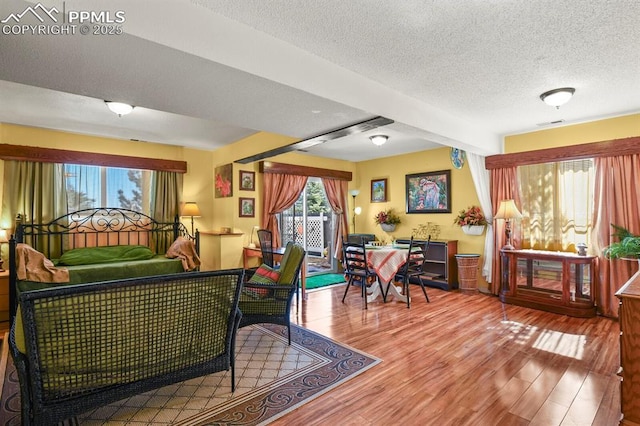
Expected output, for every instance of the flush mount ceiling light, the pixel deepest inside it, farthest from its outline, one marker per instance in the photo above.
(557, 97)
(119, 108)
(379, 139)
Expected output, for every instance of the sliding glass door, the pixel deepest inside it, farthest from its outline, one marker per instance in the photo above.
(309, 222)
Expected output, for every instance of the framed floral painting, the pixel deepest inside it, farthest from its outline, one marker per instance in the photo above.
(247, 207)
(429, 192)
(247, 180)
(224, 181)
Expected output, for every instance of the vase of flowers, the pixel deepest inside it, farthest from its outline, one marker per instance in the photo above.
(387, 219)
(471, 220)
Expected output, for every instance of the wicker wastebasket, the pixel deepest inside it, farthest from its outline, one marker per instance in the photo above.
(468, 271)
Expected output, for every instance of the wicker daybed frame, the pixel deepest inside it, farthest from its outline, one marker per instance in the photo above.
(91, 228)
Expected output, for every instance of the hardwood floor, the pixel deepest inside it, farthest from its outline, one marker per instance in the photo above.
(464, 359)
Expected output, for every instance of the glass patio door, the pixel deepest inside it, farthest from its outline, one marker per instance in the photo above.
(310, 223)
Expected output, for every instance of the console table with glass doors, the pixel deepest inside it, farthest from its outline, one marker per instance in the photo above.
(563, 283)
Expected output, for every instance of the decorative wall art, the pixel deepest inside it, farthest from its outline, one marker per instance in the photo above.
(429, 192)
(458, 157)
(378, 190)
(247, 181)
(247, 207)
(224, 181)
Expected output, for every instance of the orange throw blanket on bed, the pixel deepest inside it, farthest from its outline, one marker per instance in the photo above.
(185, 250)
(34, 266)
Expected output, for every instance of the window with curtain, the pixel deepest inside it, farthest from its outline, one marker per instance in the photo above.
(95, 186)
(557, 204)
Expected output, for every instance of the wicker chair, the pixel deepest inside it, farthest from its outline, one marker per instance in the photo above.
(412, 269)
(271, 302)
(80, 347)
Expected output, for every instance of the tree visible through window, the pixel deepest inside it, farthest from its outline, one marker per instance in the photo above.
(94, 186)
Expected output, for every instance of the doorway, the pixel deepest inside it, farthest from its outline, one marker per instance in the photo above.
(310, 222)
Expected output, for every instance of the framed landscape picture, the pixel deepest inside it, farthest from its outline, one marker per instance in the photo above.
(428, 192)
(247, 180)
(247, 207)
(378, 190)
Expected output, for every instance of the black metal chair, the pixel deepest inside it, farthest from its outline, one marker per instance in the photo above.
(265, 237)
(412, 269)
(354, 258)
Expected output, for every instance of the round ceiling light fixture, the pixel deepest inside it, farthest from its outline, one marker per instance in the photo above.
(119, 108)
(379, 139)
(558, 97)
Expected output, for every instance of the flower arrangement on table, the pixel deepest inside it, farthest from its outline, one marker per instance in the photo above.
(387, 217)
(472, 216)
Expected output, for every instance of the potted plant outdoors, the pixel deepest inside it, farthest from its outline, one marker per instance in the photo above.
(627, 247)
(471, 220)
(387, 219)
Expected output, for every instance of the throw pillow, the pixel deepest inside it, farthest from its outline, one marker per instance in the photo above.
(265, 275)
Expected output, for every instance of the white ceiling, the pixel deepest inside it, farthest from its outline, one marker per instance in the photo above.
(204, 74)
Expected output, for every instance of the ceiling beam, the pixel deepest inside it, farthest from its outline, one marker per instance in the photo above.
(352, 129)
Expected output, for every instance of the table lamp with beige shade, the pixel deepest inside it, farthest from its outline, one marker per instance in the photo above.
(190, 209)
(251, 243)
(508, 211)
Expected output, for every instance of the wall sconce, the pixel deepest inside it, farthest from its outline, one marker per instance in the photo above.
(119, 108)
(356, 210)
(191, 210)
(557, 97)
(379, 139)
(508, 211)
(251, 243)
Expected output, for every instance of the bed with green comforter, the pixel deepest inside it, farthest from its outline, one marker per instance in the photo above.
(94, 245)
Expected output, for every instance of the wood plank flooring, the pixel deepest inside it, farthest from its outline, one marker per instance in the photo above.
(464, 359)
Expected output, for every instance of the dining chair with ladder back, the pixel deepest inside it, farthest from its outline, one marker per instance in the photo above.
(354, 258)
(265, 237)
(412, 269)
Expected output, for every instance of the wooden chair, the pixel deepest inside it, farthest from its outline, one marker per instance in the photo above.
(263, 300)
(412, 269)
(354, 258)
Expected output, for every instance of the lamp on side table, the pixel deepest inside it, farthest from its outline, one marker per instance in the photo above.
(508, 211)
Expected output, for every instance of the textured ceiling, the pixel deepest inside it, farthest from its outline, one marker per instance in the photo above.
(207, 73)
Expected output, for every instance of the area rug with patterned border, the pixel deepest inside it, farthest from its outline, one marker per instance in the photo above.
(272, 379)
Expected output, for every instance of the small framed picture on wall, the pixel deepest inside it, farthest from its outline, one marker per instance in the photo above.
(247, 207)
(247, 180)
(378, 190)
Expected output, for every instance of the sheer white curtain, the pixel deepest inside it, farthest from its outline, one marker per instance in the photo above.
(481, 180)
(557, 204)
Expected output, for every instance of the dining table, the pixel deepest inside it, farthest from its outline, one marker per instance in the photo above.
(386, 261)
